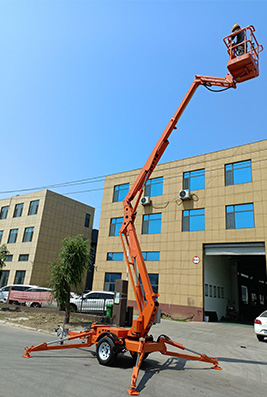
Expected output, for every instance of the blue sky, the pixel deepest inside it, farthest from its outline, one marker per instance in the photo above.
(87, 87)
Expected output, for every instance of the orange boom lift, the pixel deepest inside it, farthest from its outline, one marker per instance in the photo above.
(111, 340)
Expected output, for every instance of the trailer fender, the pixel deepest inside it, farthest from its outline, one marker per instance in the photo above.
(111, 335)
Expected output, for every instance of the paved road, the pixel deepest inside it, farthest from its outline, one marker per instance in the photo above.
(77, 372)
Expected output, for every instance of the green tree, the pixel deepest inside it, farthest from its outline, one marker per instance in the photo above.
(3, 254)
(68, 272)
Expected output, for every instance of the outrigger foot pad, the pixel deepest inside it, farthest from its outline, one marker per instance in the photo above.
(27, 355)
(133, 392)
(216, 367)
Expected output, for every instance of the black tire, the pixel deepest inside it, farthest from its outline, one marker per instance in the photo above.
(106, 351)
(36, 304)
(260, 338)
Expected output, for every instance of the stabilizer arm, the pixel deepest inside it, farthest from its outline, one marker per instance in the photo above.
(160, 345)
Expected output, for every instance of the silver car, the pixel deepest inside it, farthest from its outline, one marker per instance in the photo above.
(94, 302)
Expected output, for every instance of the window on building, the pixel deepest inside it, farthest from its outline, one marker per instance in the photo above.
(115, 256)
(12, 238)
(261, 299)
(210, 288)
(222, 292)
(254, 298)
(87, 220)
(237, 173)
(120, 192)
(151, 255)
(214, 291)
(194, 180)
(244, 294)
(33, 208)
(151, 224)
(115, 225)
(1, 235)
(154, 187)
(9, 258)
(18, 210)
(3, 212)
(23, 257)
(19, 277)
(28, 234)
(239, 216)
(110, 279)
(206, 289)
(193, 220)
(4, 278)
(154, 280)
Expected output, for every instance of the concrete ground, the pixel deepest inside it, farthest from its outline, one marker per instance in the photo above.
(76, 372)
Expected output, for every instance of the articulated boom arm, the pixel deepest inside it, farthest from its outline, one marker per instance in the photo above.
(147, 304)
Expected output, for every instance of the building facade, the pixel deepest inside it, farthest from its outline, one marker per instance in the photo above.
(33, 226)
(202, 231)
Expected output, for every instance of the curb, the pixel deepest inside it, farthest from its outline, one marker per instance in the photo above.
(7, 322)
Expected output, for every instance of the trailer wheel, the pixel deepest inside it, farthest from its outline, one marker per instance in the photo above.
(106, 351)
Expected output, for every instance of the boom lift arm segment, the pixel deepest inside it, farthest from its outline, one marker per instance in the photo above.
(147, 304)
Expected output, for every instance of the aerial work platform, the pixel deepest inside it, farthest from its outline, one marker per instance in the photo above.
(110, 340)
(246, 66)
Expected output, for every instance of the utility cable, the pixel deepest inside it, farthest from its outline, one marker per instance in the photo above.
(135, 172)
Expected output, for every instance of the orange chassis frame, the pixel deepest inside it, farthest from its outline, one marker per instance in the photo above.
(123, 342)
(136, 339)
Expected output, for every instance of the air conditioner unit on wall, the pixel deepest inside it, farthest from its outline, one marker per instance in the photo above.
(184, 194)
(145, 200)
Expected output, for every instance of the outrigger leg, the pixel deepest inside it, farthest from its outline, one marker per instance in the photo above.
(160, 345)
(198, 357)
(140, 354)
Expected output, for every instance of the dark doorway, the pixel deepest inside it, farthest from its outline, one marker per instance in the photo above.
(235, 281)
(252, 286)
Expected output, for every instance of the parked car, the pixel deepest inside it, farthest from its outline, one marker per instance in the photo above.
(260, 326)
(94, 302)
(41, 297)
(74, 295)
(4, 291)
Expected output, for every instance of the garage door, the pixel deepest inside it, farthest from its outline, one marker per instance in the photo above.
(235, 249)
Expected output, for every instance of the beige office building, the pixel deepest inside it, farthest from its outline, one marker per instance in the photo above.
(202, 231)
(33, 226)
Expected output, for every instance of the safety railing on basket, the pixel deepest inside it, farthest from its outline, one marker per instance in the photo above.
(248, 44)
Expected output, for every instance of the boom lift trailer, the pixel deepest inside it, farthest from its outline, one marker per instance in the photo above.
(111, 340)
